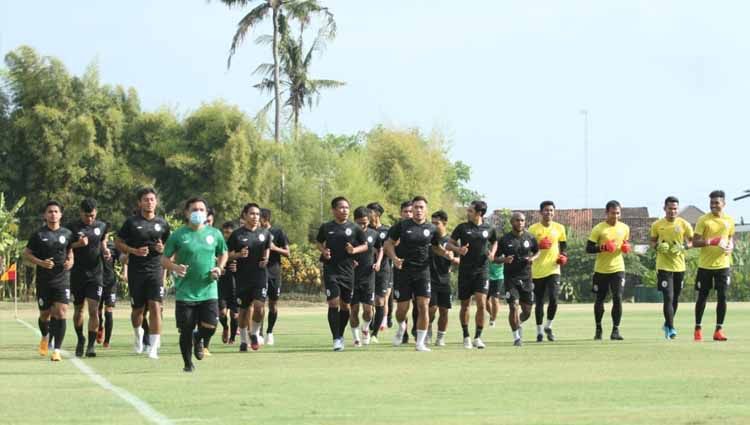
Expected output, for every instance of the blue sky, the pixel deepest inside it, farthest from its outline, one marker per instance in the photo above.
(665, 83)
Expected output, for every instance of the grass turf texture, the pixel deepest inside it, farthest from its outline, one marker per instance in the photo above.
(642, 380)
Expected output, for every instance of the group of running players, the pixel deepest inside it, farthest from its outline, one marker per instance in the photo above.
(226, 276)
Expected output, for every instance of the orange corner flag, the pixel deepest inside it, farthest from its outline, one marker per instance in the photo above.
(9, 274)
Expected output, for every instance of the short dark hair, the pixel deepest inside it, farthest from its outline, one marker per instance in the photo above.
(249, 205)
(376, 207)
(406, 204)
(88, 205)
(546, 204)
(419, 198)
(671, 199)
(228, 225)
(480, 207)
(440, 215)
(361, 212)
(196, 199)
(335, 201)
(145, 191)
(265, 214)
(209, 211)
(612, 204)
(53, 203)
(717, 194)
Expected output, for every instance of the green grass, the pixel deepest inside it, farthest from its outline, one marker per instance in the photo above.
(642, 380)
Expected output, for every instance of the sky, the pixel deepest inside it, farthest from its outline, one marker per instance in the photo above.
(665, 84)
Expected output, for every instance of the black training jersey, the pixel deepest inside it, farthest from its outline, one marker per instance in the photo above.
(279, 238)
(137, 232)
(520, 246)
(385, 265)
(88, 258)
(109, 278)
(479, 238)
(257, 242)
(440, 268)
(46, 243)
(366, 259)
(335, 236)
(414, 241)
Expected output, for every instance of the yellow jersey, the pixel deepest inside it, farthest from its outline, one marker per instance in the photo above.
(708, 227)
(672, 232)
(610, 262)
(546, 264)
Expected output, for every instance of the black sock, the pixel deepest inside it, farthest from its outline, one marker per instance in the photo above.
(539, 310)
(43, 327)
(465, 330)
(60, 334)
(52, 325)
(551, 309)
(108, 322)
(478, 333)
(92, 338)
(272, 316)
(223, 321)
(186, 346)
(145, 331)
(390, 306)
(598, 314)
(206, 334)
(668, 310)
(101, 319)
(616, 312)
(343, 322)
(721, 307)
(333, 321)
(79, 333)
(379, 313)
(234, 324)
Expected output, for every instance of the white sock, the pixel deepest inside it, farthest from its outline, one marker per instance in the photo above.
(548, 325)
(243, 335)
(421, 335)
(255, 328)
(539, 329)
(520, 331)
(153, 341)
(441, 334)
(355, 333)
(138, 333)
(366, 326)
(401, 328)
(517, 334)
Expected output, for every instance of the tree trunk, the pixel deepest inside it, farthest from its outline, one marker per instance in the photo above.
(277, 97)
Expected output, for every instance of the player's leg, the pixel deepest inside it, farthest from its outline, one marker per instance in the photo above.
(553, 292)
(617, 287)
(721, 283)
(703, 285)
(600, 290)
(540, 286)
(186, 317)
(464, 296)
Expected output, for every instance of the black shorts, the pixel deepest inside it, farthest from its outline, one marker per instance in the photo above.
(603, 283)
(47, 295)
(85, 289)
(718, 279)
(667, 281)
(338, 286)
(412, 283)
(246, 295)
(363, 294)
(145, 287)
(228, 295)
(274, 287)
(472, 283)
(383, 282)
(189, 314)
(519, 290)
(496, 287)
(109, 295)
(549, 286)
(442, 299)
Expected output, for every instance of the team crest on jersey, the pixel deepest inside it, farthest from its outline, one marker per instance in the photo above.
(272, 237)
(210, 239)
(620, 232)
(328, 292)
(426, 232)
(485, 234)
(382, 235)
(348, 232)
(41, 302)
(157, 227)
(369, 239)
(553, 233)
(396, 293)
(262, 237)
(664, 283)
(97, 231)
(525, 244)
(62, 239)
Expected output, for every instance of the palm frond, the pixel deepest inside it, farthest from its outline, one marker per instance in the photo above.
(246, 23)
(264, 69)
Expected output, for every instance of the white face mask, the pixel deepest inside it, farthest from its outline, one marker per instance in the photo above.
(197, 217)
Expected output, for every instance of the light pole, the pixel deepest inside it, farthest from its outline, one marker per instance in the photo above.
(585, 114)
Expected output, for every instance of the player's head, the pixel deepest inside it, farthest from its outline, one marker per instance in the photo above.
(53, 212)
(147, 200)
(87, 211)
(340, 208)
(226, 229)
(251, 214)
(477, 209)
(718, 201)
(376, 211)
(210, 217)
(265, 217)
(419, 206)
(196, 210)
(613, 210)
(671, 207)
(362, 216)
(518, 221)
(547, 210)
(440, 220)
(407, 210)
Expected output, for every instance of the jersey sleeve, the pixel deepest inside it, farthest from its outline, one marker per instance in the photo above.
(221, 245)
(284, 240)
(34, 243)
(595, 234)
(167, 232)
(457, 232)
(232, 241)
(125, 231)
(321, 237)
(653, 232)
(731, 229)
(688, 229)
(171, 247)
(394, 233)
(436, 239)
(700, 227)
(267, 241)
(563, 234)
(627, 233)
(534, 245)
(493, 236)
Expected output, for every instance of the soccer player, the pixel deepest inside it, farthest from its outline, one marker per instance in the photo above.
(279, 248)
(228, 293)
(142, 237)
(384, 276)
(545, 271)
(405, 213)
(518, 250)
(50, 251)
(495, 275)
(713, 235)
(670, 236)
(609, 241)
(440, 278)
(475, 242)
(200, 255)
(86, 279)
(367, 264)
(109, 294)
(338, 241)
(414, 237)
(250, 246)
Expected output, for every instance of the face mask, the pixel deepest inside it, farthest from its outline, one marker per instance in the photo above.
(197, 218)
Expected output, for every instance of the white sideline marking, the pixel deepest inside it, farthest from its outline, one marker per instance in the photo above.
(141, 406)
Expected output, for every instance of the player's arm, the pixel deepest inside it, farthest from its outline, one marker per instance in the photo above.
(493, 250)
(378, 259)
(592, 247)
(281, 250)
(535, 252)
(29, 256)
(168, 259)
(69, 258)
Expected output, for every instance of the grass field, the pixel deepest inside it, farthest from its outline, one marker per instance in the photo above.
(642, 380)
